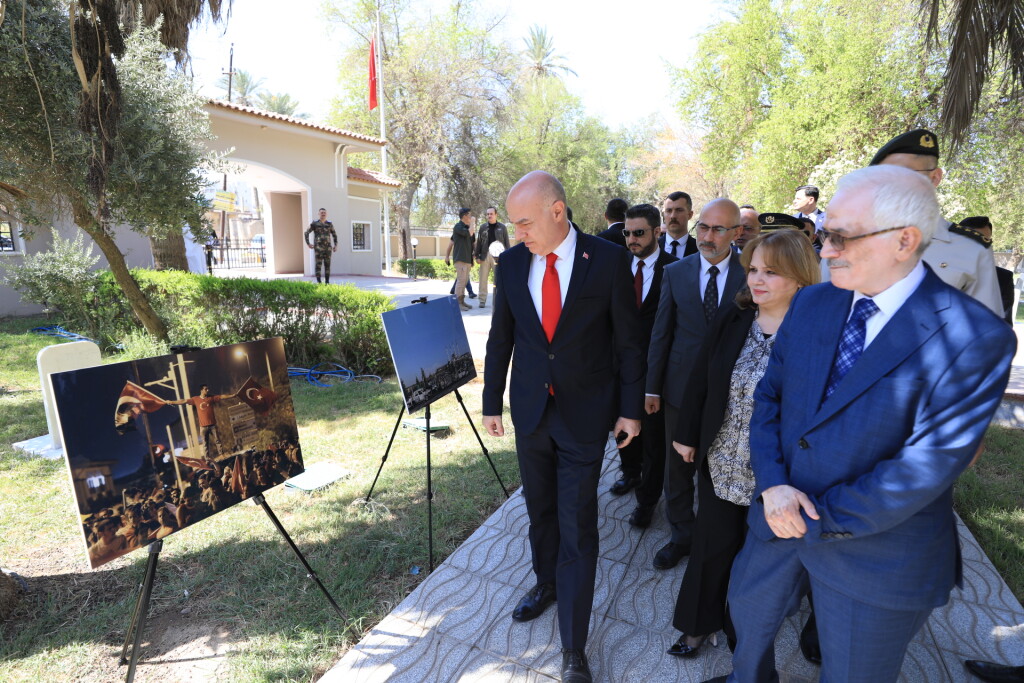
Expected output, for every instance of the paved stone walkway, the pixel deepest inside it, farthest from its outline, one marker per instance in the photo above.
(456, 625)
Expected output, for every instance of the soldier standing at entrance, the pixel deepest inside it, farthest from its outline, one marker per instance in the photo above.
(323, 236)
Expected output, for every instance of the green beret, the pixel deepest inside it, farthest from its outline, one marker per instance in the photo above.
(918, 141)
(774, 221)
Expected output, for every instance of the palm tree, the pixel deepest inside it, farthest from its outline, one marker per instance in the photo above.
(541, 59)
(985, 36)
(244, 87)
(280, 103)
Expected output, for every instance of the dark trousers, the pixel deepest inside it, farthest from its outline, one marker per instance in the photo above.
(860, 643)
(679, 486)
(560, 487)
(647, 459)
(717, 539)
(210, 438)
(322, 262)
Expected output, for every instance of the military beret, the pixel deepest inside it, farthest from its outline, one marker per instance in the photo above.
(774, 221)
(918, 141)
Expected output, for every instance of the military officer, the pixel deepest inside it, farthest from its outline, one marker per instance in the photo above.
(958, 255)
(323, 236)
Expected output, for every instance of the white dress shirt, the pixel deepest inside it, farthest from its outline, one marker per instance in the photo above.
(566, 252)
(888, 302)
(648, 275)
(723, 270)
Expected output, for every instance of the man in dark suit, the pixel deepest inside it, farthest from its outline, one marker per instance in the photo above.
(678, 210)
(691, 292)
(615, 215)
(643, 460)
(565, 315)
(878, 392)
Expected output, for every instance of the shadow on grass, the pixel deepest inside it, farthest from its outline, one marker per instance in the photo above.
(251, 583)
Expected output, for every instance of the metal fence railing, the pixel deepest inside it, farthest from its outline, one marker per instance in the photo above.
(229, 256)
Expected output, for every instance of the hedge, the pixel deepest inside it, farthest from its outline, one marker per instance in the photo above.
(318, 322)
(436, 269)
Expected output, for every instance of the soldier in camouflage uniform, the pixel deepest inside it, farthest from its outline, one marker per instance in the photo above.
(323, 237)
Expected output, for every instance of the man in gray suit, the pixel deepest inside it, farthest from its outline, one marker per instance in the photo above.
(691, 292)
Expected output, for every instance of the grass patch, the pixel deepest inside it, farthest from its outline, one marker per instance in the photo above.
(233, 571)
(990, 499)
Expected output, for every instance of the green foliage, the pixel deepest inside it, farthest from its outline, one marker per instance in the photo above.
(318, 322)
(436, 269)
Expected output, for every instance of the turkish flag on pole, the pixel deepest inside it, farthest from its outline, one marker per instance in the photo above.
(373, 73)
(131, 403)
(259, 398)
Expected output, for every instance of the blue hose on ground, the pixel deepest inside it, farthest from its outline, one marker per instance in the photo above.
(334, 370)
(58, 331)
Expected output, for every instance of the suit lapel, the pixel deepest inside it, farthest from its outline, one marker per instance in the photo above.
(520, 274)
(580, 268)
(734, 279)
(654, 294)
(914, 323)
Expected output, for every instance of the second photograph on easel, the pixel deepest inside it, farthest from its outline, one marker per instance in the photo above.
(430, 350)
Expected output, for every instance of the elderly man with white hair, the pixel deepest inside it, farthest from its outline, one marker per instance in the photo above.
(879, 389)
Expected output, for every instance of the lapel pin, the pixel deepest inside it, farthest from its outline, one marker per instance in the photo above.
(586, 256)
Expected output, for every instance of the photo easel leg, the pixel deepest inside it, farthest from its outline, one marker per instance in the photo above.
(384, 459)
(430, 499)
(481, 442)
(310, 574)
(133, 637)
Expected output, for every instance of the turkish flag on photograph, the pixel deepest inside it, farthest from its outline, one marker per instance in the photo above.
(258, 397)
(373, 73)
(131, 403)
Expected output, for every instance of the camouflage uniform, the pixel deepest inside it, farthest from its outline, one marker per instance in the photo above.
(323, 236)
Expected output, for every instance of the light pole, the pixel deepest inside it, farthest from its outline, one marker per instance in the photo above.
(239, 353)
(415, 243)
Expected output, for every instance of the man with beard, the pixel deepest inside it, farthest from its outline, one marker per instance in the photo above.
(691, 293)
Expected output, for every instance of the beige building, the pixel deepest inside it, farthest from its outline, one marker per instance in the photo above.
(297, 167)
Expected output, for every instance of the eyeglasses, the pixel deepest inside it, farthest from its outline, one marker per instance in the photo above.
(717, 229)
(635, 233)
(838, 241)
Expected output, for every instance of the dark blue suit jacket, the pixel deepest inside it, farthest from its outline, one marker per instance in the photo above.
(597, 331)
(878, 458)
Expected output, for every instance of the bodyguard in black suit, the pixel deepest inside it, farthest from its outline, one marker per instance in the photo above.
(690, 295)
(677, 210)
(643, 460)
(565, 315)
(615, 214)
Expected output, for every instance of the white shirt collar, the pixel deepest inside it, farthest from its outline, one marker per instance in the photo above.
(649, 259)
(565, 250)
(722, 265)
(890, 300)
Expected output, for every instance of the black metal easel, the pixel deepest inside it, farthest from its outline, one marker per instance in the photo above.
(133, 637)
(430, 489)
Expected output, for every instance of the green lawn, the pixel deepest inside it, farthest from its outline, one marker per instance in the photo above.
(233, 571)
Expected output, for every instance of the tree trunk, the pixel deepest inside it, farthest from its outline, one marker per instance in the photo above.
(136, 299)
(169, 251)
(403, 211)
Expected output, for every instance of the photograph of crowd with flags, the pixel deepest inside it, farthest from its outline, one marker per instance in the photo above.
(155, 445)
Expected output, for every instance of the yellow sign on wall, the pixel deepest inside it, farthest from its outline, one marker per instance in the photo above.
(224, 201)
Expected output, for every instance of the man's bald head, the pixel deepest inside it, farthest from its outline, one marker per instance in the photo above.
(717, 226)
(536, 207)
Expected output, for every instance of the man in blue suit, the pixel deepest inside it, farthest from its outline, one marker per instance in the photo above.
(879, 390)
(565, 315)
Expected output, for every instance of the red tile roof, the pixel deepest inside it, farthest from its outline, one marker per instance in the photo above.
(374, 177)
(294, 120)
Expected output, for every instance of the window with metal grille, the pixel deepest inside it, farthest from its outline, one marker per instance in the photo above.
(360, 236)
(7, 237)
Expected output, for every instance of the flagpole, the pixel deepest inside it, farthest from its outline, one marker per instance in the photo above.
(383, 150)
(174, 458)
(270, 373)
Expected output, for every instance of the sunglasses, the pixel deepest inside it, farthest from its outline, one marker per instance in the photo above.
(838, 241)
(635, 233)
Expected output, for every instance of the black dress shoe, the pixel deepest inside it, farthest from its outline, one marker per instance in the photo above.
(670, 554)
(995, 673)
(809, 645)
(574, 667)
(683, 649)
(624, 485)
(641, 516)
(535, 602)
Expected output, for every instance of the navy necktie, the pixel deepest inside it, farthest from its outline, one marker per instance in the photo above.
(673, 245)
(711, 294)
(852, 343)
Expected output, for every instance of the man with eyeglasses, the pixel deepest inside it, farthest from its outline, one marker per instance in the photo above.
(691, 292)
(959, 256)
(751, 226)
(643, 460)
(856, 445)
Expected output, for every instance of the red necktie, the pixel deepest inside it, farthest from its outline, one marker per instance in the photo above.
(551, 298)
(638, 283)
(550, 302)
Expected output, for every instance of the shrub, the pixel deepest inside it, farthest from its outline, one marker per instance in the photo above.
(436, 269)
